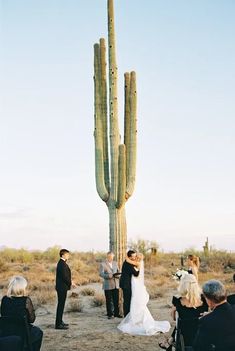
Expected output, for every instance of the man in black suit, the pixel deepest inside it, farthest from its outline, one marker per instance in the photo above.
(63, 284)
(217, 328)
(128, 270)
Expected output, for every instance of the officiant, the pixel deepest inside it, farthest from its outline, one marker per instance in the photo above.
(109, 271)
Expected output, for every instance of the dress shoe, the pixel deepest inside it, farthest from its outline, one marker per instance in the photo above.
(118, 316)
(110, 317)
(61, 327)
(65, 324)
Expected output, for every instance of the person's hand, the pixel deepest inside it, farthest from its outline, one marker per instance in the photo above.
(74, 285)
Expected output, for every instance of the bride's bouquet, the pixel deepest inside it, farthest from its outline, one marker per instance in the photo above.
(179, 274)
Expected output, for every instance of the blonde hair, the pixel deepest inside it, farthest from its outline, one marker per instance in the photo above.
(190, 289)
(195, 259)
(17, 286)
(140, 256)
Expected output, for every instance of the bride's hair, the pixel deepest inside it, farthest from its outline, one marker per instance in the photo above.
(140, 256)
(195, 260)
(190, 289)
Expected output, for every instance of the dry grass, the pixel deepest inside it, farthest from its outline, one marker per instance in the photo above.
(75, 305)
(98, 300)
(39, 269)
(87, 292)
(3, 266)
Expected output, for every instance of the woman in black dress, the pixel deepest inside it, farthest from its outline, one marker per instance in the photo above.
(190, 305)
(17, 303)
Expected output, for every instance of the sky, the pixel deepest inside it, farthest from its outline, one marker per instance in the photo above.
(184, 55)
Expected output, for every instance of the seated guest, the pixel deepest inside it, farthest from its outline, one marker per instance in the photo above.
(17, 303)
(217, 328)
(231, 298)
(188, 306)
(10, 343)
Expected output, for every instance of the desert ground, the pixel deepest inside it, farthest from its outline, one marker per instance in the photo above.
(85, 306)
(91, 330)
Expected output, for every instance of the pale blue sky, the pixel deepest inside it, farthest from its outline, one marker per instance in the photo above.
(184, 55)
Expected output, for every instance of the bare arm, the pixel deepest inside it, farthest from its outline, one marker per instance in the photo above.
(173, 312)
(195, 271)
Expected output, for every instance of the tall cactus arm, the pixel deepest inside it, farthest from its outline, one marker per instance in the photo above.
(121, 176)
(103, 87)
(113, 104)
(132, 137)
(127, 120)
(98, 133)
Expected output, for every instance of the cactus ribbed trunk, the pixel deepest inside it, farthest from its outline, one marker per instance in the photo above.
(115, 162)
(117, 230)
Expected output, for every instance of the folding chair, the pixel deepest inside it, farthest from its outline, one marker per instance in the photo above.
(17, 326)
(185, 333)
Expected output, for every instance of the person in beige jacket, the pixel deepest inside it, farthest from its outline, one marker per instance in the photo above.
(109, 271)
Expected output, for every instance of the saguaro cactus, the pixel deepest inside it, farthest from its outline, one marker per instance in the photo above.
(115, 162)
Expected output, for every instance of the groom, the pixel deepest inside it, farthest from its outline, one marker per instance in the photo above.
(128, 270)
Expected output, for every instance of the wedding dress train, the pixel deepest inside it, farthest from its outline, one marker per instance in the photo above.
(139, 320)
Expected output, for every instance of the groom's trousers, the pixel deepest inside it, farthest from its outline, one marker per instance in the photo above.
(61, 294)
(126, 301)
(112, 296)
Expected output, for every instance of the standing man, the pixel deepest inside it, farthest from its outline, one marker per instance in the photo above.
(128, 269)
(109, 272)
(63, 284)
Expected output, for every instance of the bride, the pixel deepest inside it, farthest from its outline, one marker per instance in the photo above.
(139, 320)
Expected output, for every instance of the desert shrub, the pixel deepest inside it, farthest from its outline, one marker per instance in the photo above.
(100, 256)
(52, 254)
(52, 269)
(143, 246)
(75, 305)
(42, 293)
(14, 255)
(157, 271)
(78, 265)
(98, 300)
(214, 260)
(87, 292)
(3, 266)
(74, 295)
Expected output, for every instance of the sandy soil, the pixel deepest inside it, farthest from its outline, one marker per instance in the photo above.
(90, 330)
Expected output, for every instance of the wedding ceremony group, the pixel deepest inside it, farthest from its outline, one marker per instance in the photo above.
(204, 316)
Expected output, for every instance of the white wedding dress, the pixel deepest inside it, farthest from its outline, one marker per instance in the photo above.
(139, 320)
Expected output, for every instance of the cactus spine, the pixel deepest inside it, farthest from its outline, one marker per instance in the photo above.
(115, 163)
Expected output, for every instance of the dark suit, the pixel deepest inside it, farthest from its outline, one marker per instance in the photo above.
(217, 328)
(231, 299)
(10, 343)
(125, 283)
(63, 284)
